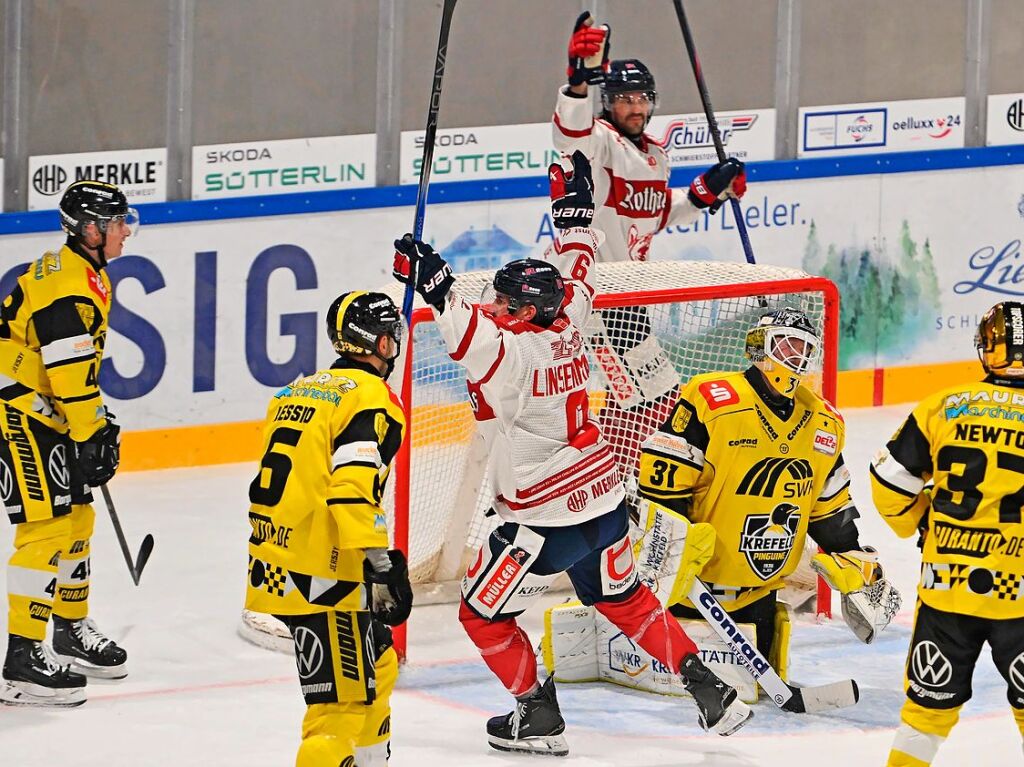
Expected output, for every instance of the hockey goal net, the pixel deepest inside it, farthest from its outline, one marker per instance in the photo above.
(698, 313)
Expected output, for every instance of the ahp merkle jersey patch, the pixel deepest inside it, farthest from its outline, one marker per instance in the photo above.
(767, 539)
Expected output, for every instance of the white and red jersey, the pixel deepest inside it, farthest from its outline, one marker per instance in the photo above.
(549, 465)
(632, 199)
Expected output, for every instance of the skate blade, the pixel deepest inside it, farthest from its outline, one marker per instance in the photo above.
(550, 745)
(737, 715)
(28, 694)
(110, 673)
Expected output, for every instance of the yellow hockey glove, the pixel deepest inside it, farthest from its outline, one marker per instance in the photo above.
(848, 571)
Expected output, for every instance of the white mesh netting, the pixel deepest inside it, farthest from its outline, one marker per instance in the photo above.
(699, 314)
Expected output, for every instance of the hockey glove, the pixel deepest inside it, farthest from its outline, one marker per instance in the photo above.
(418, 264)
(391, 593)
(588, 51)
(100, 455)
(572, 194)
(713, 186)
(672, 552)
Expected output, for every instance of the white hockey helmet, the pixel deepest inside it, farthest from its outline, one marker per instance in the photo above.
(785, 347)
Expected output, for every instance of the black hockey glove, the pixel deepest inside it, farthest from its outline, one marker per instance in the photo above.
(572, 194)
(100, 455)
(418, 264)
(588, 51)
(705, 190)
(391, 598)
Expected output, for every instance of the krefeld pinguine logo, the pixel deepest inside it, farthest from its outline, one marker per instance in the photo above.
(767, 539)
(929, 666)
(763, 476)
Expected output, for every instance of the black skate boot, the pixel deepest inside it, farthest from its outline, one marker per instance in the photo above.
(719, 708)
(87, 649)
(34, 677)
(535, 726)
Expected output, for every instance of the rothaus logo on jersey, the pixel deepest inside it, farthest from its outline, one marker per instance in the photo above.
(637, 199)
(767, 539)
(762, 479)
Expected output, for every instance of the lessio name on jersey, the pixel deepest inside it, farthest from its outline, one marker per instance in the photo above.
(297, 413)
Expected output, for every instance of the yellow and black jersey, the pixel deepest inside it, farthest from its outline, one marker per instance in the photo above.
(759, 473)
(315, 502)
(968, 441)
(53, 327)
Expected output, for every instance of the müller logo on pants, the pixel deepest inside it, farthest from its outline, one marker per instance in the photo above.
(504, 576)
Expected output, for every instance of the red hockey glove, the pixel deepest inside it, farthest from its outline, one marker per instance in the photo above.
(418, 264)
(707, 190)
(572, 194)
(588, 51)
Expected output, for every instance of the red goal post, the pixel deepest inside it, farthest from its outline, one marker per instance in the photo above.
(699, 313)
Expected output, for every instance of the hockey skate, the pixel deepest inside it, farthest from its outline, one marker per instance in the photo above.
(535, 726)
(34, 677)
(87, 650)
(719, 709)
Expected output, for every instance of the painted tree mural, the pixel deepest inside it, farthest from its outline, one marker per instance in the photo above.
(888, 295)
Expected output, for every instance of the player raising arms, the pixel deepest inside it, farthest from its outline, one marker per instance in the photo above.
(554, 479)
(634, 203)
(758, 455)
(318, 553)
(965, 441)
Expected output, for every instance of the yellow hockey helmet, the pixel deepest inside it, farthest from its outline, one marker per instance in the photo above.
(1000, 340)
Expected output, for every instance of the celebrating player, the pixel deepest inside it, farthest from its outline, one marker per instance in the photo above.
(631, 186)
(318, 554)
(554, 479)
(758, 455)
(966, 442)
(58, 440)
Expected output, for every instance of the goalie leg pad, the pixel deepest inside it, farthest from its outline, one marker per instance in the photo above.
(778, 657)
(505, 648)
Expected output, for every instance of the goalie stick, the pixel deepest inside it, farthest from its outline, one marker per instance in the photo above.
(433, 108)
(136, 565)
(797, 700)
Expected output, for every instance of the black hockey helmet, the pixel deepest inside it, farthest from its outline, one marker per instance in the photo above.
(531, 282)
(628, 76)
(94, 202)
(357, 320)
(1000, 340)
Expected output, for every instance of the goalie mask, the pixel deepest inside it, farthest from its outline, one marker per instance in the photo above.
(527, 282)
(784, 346)
(357, 320)
(1000, 340)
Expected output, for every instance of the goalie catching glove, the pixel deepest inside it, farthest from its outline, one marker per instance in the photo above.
(672, 552)
(387, 574)
(869, 601)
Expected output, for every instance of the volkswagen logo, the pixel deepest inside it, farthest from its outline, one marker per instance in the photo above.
(1016, 673)
(6, 481)
(58, 467)
(49, 179)
(309, 652)
(929, 666)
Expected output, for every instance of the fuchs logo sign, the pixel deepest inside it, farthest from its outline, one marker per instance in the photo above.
(767, 539)
(693, 132)
(637, 199)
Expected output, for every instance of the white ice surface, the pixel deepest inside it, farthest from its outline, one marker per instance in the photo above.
(199, 695)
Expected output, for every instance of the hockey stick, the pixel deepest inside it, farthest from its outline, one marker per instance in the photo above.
(797, 700)
(428, 140)
(136, 565)
(705, 100)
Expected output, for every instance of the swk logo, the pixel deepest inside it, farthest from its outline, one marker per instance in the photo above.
(309, 652)
(931, 668)
(763, 476)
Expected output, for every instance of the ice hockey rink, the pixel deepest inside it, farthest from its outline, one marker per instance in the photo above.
(198, 694)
